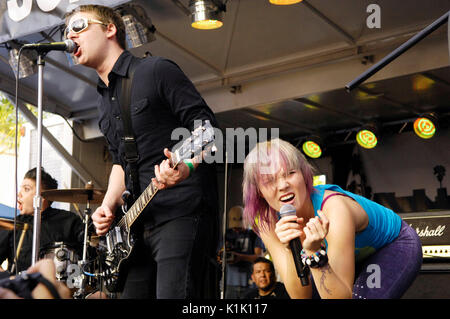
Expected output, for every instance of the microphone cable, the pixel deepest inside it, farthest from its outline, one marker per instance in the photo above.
(15, 162)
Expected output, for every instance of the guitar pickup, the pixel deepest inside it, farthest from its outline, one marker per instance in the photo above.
(118, 239)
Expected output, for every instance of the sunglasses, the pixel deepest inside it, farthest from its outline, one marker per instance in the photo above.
(79, 25)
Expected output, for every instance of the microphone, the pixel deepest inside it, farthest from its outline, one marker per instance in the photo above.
(67, 45)
(296, 247)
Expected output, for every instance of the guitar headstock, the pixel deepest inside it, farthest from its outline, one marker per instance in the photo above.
(201, 140)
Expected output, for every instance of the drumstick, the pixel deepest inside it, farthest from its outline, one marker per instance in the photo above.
(78, 210)
(19, 246)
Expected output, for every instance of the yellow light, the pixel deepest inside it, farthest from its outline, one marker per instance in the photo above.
(207, 24)
(424, 127)
(422, 83)
(366, 139)
(312, 149)
(205, 14)
(319, 180)
(284, 2)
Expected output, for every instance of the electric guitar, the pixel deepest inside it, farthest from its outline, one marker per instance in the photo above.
(119, 239)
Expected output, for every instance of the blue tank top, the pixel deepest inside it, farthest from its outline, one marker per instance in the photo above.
(383, 227)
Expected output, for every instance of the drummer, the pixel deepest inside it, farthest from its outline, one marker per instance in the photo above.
(56, 225)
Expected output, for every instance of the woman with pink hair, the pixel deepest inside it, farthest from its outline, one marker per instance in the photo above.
(352, 246)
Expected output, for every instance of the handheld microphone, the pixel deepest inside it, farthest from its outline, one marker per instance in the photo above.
(296, 247)
(67, 45)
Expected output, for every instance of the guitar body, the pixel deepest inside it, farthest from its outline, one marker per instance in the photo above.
(119, 239)
(120, 243)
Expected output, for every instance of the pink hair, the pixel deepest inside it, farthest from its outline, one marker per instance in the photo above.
(264, 160)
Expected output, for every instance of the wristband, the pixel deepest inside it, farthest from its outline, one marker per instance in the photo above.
(316, 260)
(190, 165)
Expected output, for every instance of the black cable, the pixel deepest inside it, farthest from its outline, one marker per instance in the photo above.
(74, 132)
(16, 156)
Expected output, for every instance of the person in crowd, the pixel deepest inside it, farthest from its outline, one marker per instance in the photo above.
(177, 232)
(242, 247)
(57, 225)
(352, 246)
(265, 279)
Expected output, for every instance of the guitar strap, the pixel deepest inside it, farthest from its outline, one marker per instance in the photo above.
(131, 152)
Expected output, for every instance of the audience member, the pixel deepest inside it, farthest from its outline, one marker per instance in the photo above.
(264, 277)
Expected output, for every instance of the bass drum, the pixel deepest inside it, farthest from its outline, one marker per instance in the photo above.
(62, 255)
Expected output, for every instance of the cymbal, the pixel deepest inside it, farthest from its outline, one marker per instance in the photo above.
(74, 195)
(8, 224)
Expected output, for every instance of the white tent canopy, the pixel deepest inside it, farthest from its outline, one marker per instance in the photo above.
(268, 66)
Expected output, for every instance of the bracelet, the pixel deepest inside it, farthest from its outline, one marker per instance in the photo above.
(190, 165)
(316, 260)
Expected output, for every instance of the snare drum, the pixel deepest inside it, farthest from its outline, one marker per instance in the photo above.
(62, 255)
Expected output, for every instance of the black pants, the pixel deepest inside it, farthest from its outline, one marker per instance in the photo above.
(175, 261)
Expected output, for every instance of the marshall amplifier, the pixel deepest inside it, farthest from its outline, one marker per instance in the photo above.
(433, 229)
(433, 280)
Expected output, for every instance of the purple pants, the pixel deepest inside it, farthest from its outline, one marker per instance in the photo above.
(391, 270)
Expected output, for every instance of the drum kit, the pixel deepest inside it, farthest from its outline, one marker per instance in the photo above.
(80, 273)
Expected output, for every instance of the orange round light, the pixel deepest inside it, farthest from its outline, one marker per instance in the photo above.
(424, 127)
(312, 149)
(366, 139)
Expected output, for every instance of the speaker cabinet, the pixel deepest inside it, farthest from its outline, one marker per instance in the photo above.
(433, 282)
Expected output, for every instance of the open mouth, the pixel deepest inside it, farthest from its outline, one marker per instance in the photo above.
(287, 198)
(77, 52)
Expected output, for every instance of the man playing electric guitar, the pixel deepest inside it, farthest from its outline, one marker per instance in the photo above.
(179, 234)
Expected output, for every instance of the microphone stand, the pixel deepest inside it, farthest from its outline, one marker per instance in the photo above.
(224, 231)
(37, 202)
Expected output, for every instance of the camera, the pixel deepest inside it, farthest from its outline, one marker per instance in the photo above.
(22, 285)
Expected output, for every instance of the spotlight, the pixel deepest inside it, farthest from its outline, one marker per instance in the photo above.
(425, 126)
(312, 147)
(27, 64)
(284, 2)
(367, 136)
(138, 26)
(206, 14)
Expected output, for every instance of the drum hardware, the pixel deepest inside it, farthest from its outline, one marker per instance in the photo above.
(81, 293)
(63, 256)
(75, 195)
(82, 279)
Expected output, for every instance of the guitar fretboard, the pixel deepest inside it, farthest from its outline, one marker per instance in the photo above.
(136, 209)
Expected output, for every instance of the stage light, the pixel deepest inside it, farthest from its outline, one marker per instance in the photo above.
(206, 14)
(367, 136)
(27, 64)
(284, 2)
(425, 126)
(138, 26)
(312, 147)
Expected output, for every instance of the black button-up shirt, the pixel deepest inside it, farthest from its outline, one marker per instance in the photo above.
(162, 100)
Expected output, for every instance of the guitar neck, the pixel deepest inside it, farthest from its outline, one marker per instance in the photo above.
(147, 195)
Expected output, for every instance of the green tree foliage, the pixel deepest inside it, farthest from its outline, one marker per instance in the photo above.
(8, 126)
